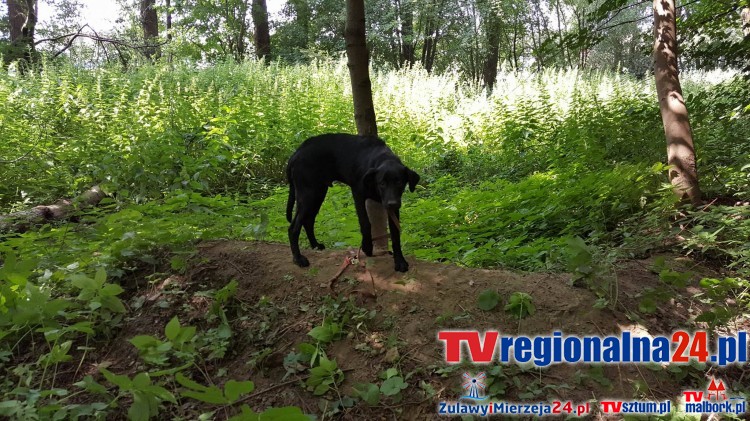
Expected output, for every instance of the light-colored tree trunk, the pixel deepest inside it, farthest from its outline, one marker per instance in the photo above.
(680, 150)
(745, 18)
(364, 110)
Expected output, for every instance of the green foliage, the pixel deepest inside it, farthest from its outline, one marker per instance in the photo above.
(368, 392)
(98, 294)
(180, 342)
(324, 377)
(520, 304)
(488, 300)
(145, 395)
(326, 333)
(231, 392)
(720, 295)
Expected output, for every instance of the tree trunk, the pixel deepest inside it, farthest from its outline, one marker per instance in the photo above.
(22, 19)
(492, 28)
(364, 110)
(745, 17)
(406, 56)
(150, 26)
(16, 17)
(262, 37)
(356, 51)
(23, 220)
(169, 20)
(674, 115)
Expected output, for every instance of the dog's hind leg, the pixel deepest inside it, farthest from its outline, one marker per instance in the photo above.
(315, 202)
(294, 230)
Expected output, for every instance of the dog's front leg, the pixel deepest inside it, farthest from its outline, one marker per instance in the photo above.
(401, 265)
(364, 224)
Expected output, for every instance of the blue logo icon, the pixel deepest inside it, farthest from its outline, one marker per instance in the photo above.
(474, 386)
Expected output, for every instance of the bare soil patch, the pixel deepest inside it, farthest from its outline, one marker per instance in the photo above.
(280, 302)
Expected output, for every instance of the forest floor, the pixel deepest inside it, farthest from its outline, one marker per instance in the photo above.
(279, 303)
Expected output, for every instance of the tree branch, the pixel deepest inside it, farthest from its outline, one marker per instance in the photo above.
(94, 36)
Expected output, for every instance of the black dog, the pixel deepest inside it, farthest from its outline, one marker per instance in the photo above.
(365, 164)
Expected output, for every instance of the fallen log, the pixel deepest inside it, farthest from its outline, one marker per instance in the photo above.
(23, 220)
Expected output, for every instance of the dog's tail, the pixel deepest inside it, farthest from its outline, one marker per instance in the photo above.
(290, 200)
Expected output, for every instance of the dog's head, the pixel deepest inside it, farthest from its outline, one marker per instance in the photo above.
(390, 180)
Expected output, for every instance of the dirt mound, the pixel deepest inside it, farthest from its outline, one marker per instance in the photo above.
(392, 320)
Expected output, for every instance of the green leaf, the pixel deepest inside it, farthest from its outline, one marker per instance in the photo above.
(212, 395)
(123, 382)
(488, 300)
(234, 389)
(140, 410)
(101, 276)
(111, 290)
(321, 389)
(90, 385)
(161, 393)
(287, 413)
(189, 383)
(321, 334)
(172, 329)
(393, 386)
(144, 341)
(368, 392)
(83, 282)
(112, 304)
(328, 365)
(141, 380)
(520, 305)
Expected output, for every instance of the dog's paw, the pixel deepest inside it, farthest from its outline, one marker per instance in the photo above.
(320, 246)
(401, 265)
(302, 261)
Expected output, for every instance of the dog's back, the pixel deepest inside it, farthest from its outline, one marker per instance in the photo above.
(337, 157)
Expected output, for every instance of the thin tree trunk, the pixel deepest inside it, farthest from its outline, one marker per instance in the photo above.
(150, 26)
(169, 20)
(406, 57)
(674, 114)
(262, 36)
(364, 110)
(745, 17)
(358, 61)
(492, 27)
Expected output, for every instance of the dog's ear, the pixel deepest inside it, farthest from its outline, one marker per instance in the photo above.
(369, 178)
(413, 179)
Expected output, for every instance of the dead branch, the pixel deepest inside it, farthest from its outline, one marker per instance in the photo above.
(94, 36)
(22, 221)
